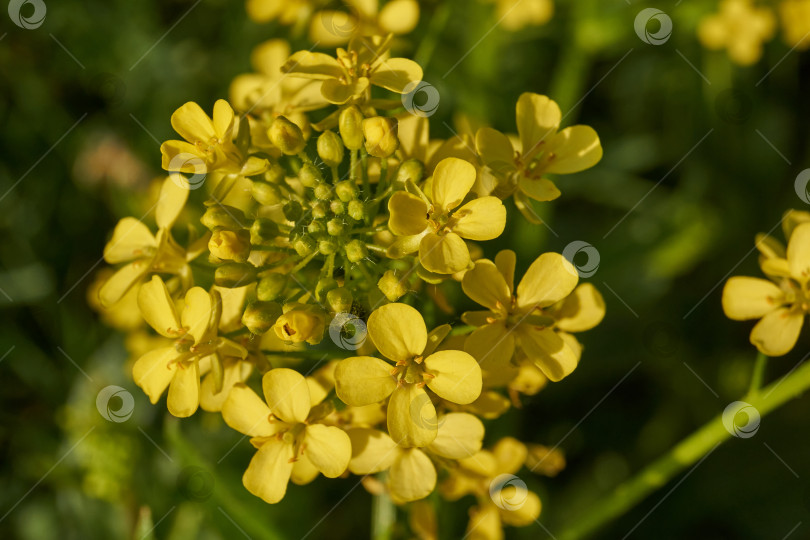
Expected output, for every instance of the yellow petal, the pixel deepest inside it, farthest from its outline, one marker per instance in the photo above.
(524, 509)
(581, 310)
(330, 28)
(245, 412)
(505, 261)
(412, 476)
(223, 120)
(303, 471)
(405, 245)
(457, 376)
(313, 65)
(398, 331)
(337, 92)
(798, 253)
(121, 281)
(131, 239)
(548, 280)
(408, 214)
(750, 298)
(328, 448)
(197, 312)
(184, 390)
(575, 149)
(287, 394)
(372, 451)
(233, 373)
(485, 523)
(269, 471)
(363, 380)
(538, 117)
(263, 10)
(496, 150)
(483, 218)
(541, 189)
(180, 156)
(548, 350)
(446, 254)
(509, 454)
(157, 308)
(485, 285)
(452, 180)
(191, 122)
(153, 371)
(493, 346)
(396, 74)
(777, 332)
(173, 196)
(460, 435)
(399, 17)
(411, 417)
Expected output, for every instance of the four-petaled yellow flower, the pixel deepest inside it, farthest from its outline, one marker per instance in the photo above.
(740, 28)
(288, 432)
(436, 227)
(399, 333)
(780, 304)
(522, 166)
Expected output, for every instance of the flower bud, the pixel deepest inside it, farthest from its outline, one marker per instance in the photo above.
(357, 210)
(356, 250)
(259, 317)
(335, 227)
(309, 175)
(293, 211)
(350, 126)
(229, 245)
(319, 209)
(381, 136)
(232, 275)
(266, 193)
(299, 325)
(346, 190)
(330, 148)
(337, 208)
(263, 232)
(271, 286)
(275, 174)
(323, 192)
(220, 215)
(316, 227)
(327, 247)
(304, 245)
(412, 170)
(286, 136)
(324, 286)
(339, 300)
(392, 286)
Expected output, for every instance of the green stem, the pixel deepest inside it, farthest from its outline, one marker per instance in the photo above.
(684, 454)
(364, 173)
(353, 166)
(383, 515)
(758, 374)
(304, 262)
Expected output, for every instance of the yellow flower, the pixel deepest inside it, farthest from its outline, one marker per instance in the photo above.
(781, 303)
(436, 227)
(179, 366)
(399, 333)
(411, 473)
(514, 15)
(530, 316)
(286, 429)
(541, 149)
(286, 12)
(795, 18)
(331, 28)
(300, 323)
(738, 27)
(133, 243)
(348, 78)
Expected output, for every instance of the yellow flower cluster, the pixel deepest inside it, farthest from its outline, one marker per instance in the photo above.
(298, 240)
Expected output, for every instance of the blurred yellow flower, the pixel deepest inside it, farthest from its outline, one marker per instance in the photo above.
(740, 28)
(286, 429)
(795, 18)
(515, 15)
(365, 18)
(286, 12)
(399, 333)
(435, 226)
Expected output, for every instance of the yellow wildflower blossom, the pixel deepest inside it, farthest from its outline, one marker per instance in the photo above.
(738, 27)
(399, 333)
(330, 28)
(795, 18)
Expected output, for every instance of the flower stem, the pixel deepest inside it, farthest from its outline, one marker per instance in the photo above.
(383, 516)
(759, 372)
(684, 454)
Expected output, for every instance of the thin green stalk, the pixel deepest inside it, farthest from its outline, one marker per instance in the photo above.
(684, 454)
(758, 374)
(364, 173)
(383, 515)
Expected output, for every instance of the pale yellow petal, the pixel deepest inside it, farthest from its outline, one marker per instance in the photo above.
(157, 308)
(153, 371)
(303, 471)
(247, 413)
(495, 150)
(399, 17)
(445, 254)
(493, 346)
(408, 214)
(798, 252)
(541, 189)
(452, 180)
(328, 448)
(574, 149)
(456, 376)
(363, 380)
(538, 117)
(223, 120)
(396, 74)
(372, 451)
(191, 122)
(483, 218)
(184, 390)
(412, 476)
(412, 418)
(505, 261)
(197, 312)
(526, 508)
(337, 92)
(777, 332)
(313, 65)
(460, 435)
(548, 350)
(398, 331)
(548, 280)
(509, 454)
(581, 310)
(750, 298)
(287, 394)
(269, 471)
(233, 373)
(121, 282)
(173, 196)
(131, 239)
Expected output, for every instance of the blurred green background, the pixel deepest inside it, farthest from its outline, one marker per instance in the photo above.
(692, 171)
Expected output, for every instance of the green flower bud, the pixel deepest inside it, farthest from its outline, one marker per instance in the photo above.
(259, 317)
(412, 170)
(319, 209)
(350, 126)
(356, 250)
(293, 211)
(232, 275)
(335, 227)
(275, 174)
(330, 148)
(309, 175)
(263, 232)
(392, 286)
(229, 245)
(323, 192)
(316, 227)
(357, 210)
(381, 136)
(327, 247)
(271, 286)
(346, 190)
(266, 193)
(337, 208)
(221, 215)
(324, 286)
(304, 245)
(286, 136)
(339, 300)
